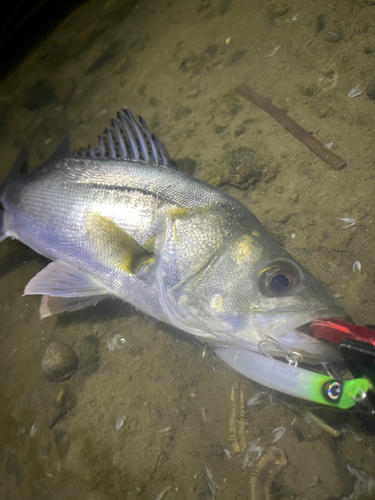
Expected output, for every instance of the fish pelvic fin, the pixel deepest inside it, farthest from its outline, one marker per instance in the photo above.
(59, 279)
(114, 247)
(64, 288)
(127, 139)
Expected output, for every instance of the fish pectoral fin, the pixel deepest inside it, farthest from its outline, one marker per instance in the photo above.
(114, 247)
(63, 280)
(53, 305)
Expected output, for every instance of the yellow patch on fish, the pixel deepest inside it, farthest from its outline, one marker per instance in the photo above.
(113, 246)
(244, 249)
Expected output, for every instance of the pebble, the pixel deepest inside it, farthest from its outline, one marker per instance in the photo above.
(59, 362)
(332, 36)
(245, 168)
(193, 94)
(294, 197)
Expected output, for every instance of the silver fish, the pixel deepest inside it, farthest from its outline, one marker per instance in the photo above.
(120, 220)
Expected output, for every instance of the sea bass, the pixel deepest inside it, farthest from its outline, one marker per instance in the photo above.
(119, 220)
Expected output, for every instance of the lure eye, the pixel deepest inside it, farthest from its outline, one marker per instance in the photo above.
(334, 390)
(278, 279)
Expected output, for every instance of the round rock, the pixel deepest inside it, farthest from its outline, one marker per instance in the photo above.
(59, 362)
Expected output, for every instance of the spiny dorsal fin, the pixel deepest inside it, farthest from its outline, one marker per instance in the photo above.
(126, 139)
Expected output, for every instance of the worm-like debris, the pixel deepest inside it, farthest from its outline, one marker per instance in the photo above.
(273, 52)
(264, 472)
(237, 419)
(309, 415)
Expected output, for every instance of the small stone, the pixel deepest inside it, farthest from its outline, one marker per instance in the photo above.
(245, 168)
(193, 94)
(59, 362)
(322, 112)
(370, 90)
(332, 36)
(294, 197)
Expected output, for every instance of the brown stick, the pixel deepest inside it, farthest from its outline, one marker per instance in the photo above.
(291, 126)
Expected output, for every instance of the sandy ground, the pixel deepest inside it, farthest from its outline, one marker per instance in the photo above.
(178, 64)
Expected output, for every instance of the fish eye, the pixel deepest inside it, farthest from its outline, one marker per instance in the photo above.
(279, 278)
(279, 283)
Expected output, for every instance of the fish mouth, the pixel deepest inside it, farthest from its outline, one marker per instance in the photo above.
(289, 332)
(281, 321)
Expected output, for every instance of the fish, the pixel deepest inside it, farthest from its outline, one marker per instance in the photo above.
(120, 220)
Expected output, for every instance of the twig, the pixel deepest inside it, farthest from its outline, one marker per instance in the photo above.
(291, 126)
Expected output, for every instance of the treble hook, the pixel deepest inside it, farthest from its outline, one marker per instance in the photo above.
(292, 357)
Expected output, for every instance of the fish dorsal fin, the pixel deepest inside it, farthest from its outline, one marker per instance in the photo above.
(63, 149)
(127, 139)
(114, 247)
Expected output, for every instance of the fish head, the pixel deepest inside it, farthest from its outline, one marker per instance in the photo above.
(270, 296)
(234, 284)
